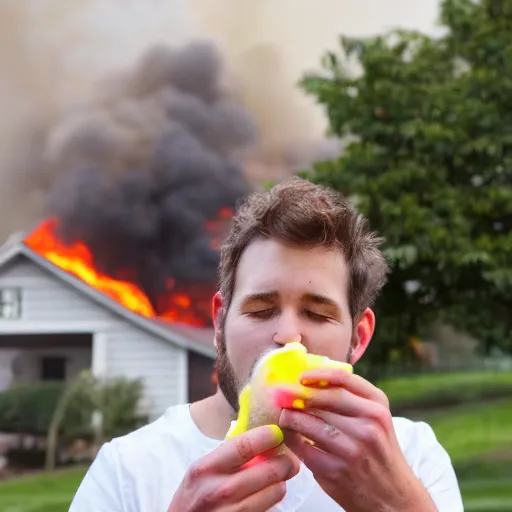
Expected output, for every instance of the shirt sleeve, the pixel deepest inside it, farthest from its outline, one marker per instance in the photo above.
(437, 474)
(100, 490)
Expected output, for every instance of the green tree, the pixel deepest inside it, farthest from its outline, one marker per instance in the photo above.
(426, 125)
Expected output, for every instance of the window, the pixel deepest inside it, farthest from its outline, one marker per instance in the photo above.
(10, 303)
(53, 368)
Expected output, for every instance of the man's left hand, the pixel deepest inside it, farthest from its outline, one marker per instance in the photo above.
(356, 457)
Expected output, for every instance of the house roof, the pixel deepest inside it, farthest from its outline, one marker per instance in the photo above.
(196, 339)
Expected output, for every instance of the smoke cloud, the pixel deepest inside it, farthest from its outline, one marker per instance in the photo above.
(139, 123)
(54, 54)
(57, 55)
(146, 176)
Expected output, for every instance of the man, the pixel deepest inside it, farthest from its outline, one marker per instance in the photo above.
(298, 265)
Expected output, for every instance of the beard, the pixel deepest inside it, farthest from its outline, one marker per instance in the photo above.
(226, 376)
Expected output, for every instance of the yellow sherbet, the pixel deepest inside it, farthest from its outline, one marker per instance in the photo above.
(277, 372)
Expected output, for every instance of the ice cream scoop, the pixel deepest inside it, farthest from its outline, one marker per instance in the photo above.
(275, 385)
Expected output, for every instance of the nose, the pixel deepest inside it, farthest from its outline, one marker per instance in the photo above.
(284, 340)
(288, 331)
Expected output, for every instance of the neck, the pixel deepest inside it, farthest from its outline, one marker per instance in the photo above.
(213, 415)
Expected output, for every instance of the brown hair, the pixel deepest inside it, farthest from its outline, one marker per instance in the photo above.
(298, 212)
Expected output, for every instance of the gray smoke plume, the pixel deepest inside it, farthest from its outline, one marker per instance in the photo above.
(142, 174)
(140, 170)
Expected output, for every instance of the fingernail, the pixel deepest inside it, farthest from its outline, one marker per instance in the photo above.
(315, 383)
(312, 443)
(278, 433)
(298, 403)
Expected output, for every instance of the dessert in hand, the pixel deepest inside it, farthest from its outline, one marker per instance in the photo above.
(275, 385)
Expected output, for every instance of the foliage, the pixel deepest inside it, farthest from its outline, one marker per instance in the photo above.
(427, 129)
(115, 400)
(118, 400)
(29, 408)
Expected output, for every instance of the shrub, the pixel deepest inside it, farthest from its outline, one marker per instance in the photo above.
(119, 400)
(65, 410)
(29, 408)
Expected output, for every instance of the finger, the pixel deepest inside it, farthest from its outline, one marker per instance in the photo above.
(255, 478)
(329, 377)
(317, 460)
(261, 501)
(337, 436)
(239, 450)
(340, 401)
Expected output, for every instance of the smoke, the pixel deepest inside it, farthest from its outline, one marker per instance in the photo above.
(142, 173)
(118, 121)
(56, 55)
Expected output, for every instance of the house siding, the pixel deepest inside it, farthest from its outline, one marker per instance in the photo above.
(130, 351)
(27, 363)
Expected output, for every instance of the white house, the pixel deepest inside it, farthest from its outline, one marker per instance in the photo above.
(53, 325)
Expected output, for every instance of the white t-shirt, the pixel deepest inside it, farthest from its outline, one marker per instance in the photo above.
(141, 471)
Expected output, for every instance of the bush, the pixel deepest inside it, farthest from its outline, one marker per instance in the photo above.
(119, 400)
(29, 408)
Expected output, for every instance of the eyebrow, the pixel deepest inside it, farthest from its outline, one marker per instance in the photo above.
(260, 297)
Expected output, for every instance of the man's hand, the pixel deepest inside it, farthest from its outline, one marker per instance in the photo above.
(355, 457)
(248, 472)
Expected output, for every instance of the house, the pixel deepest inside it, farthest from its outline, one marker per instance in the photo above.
(53, 326)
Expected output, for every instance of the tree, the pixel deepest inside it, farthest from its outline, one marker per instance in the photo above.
(427, 131)
(115, 402)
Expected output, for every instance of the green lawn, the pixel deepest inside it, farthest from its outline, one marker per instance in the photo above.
(479, 441)
(430, 389)
(487, 495)
(42, 493)
(474, 430)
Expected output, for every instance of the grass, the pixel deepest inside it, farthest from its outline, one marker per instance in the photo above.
(474, 430)
(479, 441)
(41, 493)
(431, 390)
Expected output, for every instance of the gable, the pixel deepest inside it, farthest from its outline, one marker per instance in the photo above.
(45, 298)
(52, 294)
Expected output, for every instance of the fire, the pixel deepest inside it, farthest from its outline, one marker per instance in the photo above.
(77, 259)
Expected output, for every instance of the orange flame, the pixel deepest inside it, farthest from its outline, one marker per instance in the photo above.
(78, 260)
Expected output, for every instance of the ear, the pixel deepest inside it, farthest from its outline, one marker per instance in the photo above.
(217, 306)
(364, 331)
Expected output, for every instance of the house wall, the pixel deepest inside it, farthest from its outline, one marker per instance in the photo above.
(120, 348)
(200, 377)
(27, 365)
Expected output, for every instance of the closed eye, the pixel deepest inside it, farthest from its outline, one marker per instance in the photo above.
(261, 314)
(316, 316)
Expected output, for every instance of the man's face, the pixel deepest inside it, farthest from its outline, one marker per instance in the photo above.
(285, 294)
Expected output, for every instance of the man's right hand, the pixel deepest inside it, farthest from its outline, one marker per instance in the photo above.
(245, 473)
